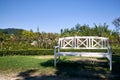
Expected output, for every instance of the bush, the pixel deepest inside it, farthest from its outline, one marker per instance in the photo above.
(116, 51)
(83, 50)
(27, 52)
(50, 51)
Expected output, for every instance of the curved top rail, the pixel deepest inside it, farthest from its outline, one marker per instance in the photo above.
(96, 37)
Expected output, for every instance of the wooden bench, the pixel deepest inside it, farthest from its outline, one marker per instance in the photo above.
(83, 42)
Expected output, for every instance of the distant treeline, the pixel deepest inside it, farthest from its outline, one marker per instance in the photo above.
(11, 31)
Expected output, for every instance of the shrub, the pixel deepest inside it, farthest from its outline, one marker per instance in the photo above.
(83, 50)
(116, 51)
(27, 52)
(49, 51)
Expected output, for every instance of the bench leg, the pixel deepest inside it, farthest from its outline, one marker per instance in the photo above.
(54, 60)
(109, 57)
(110, 63)
(58, 58)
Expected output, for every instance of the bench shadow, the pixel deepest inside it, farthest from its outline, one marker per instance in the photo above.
(76, 70)
(116, 66)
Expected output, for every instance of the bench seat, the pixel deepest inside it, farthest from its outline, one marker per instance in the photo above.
(83, 54)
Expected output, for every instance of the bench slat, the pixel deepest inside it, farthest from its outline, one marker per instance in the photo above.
(83, 54)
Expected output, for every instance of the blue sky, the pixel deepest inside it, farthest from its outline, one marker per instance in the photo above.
(53, 15)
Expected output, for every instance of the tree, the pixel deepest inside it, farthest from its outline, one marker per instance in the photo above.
(77, 27)
(28, 34)
(101, 30)
(116, 22)
(61, 31)
(1, 39)
(84, 30)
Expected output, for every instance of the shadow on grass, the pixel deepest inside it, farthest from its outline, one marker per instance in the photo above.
(116, 66)
(74, 70)
(27, 74)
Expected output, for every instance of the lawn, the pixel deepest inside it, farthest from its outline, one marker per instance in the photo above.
(70, 68)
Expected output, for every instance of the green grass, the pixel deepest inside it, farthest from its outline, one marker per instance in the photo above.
(21, 63)
(25, 66)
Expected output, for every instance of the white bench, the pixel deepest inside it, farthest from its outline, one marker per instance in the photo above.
(83, 42)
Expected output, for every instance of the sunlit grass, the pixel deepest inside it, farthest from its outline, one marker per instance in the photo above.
(21, 63)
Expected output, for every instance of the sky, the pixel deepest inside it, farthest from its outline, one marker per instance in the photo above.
(54, 15)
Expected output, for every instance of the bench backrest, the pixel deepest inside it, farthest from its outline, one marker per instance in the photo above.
(83, 42)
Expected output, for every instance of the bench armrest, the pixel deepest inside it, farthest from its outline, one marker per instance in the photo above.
(56, 47)
(55, 51)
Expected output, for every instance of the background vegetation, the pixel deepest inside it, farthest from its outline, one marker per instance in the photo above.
(19, 39)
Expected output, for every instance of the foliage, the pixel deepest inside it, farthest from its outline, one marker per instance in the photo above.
(116, 51)
(116, 22)
(26, 52)
(84, 50)
(17, 39)
(85, 30)
(22, 39)
(11, 31)
(49, 51)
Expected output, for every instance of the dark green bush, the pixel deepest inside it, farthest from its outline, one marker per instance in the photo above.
(83, 50)
(27, 52)
(116, 51)
(50, 51)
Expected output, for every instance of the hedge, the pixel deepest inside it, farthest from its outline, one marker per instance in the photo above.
(83, 50)
(116, 51)
(47, 52)
(27, 52)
